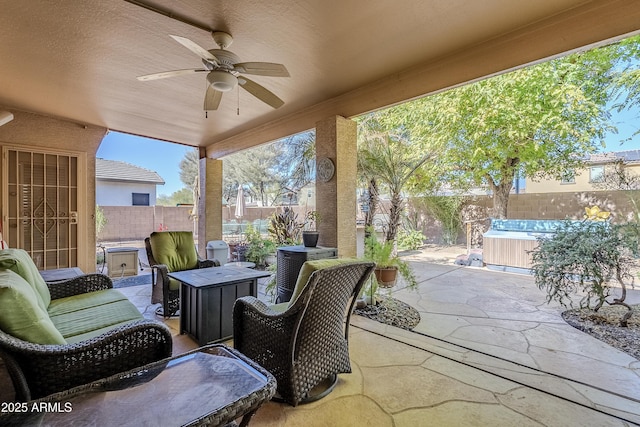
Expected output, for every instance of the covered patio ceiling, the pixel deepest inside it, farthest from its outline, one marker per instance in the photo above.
(78, 60)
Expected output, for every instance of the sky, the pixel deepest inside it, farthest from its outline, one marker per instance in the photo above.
(627, 123)
(158, 156)
(164, 157)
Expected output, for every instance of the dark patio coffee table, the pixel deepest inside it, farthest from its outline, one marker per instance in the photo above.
(212, 385)
(207, 296)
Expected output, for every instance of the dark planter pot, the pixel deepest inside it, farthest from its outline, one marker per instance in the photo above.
(386, 276)
(241, 251)
(310, 238)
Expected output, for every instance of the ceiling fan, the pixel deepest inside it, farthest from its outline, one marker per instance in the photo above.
(225, 72)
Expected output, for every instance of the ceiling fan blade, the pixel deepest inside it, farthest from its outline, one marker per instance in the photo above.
(212, 99)
(196, 48)
(260, 92)
(262, 69)
(166, 74)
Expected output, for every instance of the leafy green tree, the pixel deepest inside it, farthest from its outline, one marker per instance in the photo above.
(627, 81)
(189, 167)
(539, 121)
(270, 171)
(258, 170)
(182, 196)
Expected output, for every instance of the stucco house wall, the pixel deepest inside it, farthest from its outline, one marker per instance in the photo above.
(117, 182)
(120, 193)
(582, 178)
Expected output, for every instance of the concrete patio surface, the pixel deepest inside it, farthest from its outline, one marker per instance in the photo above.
(488, 351)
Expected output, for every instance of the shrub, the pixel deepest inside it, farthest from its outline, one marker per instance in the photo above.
(284, 227)
(258, 249)
(410, 240)
(586, 256)
(447, 210)
(101, 220)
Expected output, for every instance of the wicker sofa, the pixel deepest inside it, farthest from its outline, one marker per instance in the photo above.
(55, 337)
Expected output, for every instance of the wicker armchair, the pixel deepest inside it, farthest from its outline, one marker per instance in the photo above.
(307, 344)
(170, 251)
(38, 370)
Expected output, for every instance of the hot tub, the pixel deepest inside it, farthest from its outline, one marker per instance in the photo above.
(506, 244)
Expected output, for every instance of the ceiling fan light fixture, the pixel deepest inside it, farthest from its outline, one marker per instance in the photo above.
(5, 117)
(222, 81)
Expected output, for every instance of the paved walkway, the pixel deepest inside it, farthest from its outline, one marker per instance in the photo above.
(487, 351)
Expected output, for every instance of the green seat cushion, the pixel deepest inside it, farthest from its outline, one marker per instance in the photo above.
(280, 308)
(96, 318)
(309, 267)
(95, 333)
(174, 284)
(84, 301)
(175, 249)
(21, 314)
(19, 261)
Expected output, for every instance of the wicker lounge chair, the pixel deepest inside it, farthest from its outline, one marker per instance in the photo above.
(170, 251)
(304, 343)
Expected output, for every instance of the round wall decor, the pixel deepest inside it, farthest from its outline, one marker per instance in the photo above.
(325, 169)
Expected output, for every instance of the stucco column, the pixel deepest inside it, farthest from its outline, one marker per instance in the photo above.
(336, 198)
(209, 203)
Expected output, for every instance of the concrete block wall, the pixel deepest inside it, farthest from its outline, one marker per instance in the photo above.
(546, 206)
(126, 223)
(137, 222)
(569, 205)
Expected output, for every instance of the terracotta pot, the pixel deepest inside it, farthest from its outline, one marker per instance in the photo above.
(310, 238)
(386, 276)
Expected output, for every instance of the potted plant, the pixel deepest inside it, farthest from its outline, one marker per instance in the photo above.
(388, 264)
(310, 232)
(258, 248)
(284, 227)
(368, 293)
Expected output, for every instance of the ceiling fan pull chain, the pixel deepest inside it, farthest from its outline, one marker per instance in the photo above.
(206, 114)
(238, 90)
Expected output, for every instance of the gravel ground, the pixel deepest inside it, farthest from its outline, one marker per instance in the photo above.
(605, 326)
(391, 311)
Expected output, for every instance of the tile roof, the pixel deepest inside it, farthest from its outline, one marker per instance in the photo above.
(113, 170)
(627, 157)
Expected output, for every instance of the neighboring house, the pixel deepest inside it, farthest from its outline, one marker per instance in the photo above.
(124, 184)
(593, 173)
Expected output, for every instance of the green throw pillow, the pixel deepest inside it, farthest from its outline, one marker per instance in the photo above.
(175, 249)
(19, 261)
(21, 314)
(309, 267)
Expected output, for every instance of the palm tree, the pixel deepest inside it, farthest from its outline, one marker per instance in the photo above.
(390, 160)
(299, 158)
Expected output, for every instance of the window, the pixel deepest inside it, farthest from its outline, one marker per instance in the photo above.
(596, 173)
(140, 199)
(568, 177)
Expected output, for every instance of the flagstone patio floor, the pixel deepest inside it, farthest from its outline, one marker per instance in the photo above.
(488, 350)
